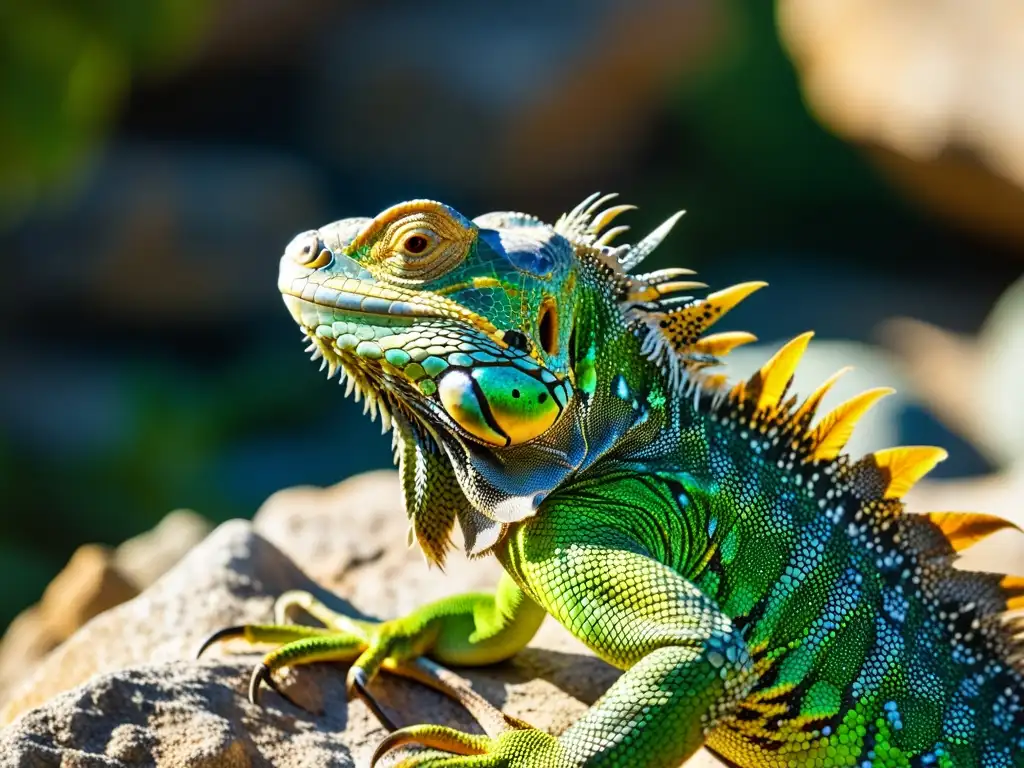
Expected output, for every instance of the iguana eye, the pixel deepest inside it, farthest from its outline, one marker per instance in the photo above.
(417, 243)
(415, 252)
(414, 243)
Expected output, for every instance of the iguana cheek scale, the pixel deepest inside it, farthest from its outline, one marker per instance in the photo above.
(766, 594)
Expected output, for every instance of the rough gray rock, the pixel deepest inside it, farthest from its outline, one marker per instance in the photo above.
(124, 690)
(95, 579)
(145, 558)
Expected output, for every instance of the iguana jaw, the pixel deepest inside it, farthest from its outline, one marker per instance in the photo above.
(363, 364)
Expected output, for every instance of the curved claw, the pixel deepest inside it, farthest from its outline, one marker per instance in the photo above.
(221, 634)
(357, 683)
(435, 737)
(369, 646)
(262, 674)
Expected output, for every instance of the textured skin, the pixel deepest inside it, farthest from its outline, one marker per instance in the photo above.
(765, 593)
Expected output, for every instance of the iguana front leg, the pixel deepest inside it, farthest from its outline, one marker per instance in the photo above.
(463, 630)
(687, 665)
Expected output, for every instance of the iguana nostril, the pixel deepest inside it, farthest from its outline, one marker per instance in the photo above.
(307, 251)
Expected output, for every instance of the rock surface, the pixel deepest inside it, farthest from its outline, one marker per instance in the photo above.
(145, 558)
(94, 580)
(123, 691)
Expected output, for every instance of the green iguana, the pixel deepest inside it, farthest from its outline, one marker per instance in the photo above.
(766, 594)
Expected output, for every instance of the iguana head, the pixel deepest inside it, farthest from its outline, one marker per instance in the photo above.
(457, 323)
(460, 334)
(482, 342)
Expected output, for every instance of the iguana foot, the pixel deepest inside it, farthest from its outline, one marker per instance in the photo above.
(341, 638)
(449, 748)
(395, 646)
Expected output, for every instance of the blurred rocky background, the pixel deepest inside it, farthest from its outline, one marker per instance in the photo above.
(864, 156)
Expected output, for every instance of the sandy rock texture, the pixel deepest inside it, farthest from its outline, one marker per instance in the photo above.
(124, 690)
(95, 579)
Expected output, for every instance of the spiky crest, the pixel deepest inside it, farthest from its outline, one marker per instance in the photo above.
(583, 225)
(964, 529)
(660, 305)
(875, 485)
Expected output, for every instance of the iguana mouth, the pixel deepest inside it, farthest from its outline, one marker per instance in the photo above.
(358, 297)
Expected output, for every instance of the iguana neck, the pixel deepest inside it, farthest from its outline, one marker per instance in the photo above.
(511, 483)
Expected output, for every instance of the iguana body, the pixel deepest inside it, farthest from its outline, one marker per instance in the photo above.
(765, 593)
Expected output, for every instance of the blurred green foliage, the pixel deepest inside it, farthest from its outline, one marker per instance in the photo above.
(65, 67)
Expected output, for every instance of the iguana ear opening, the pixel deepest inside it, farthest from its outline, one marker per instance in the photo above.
(547, 326)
